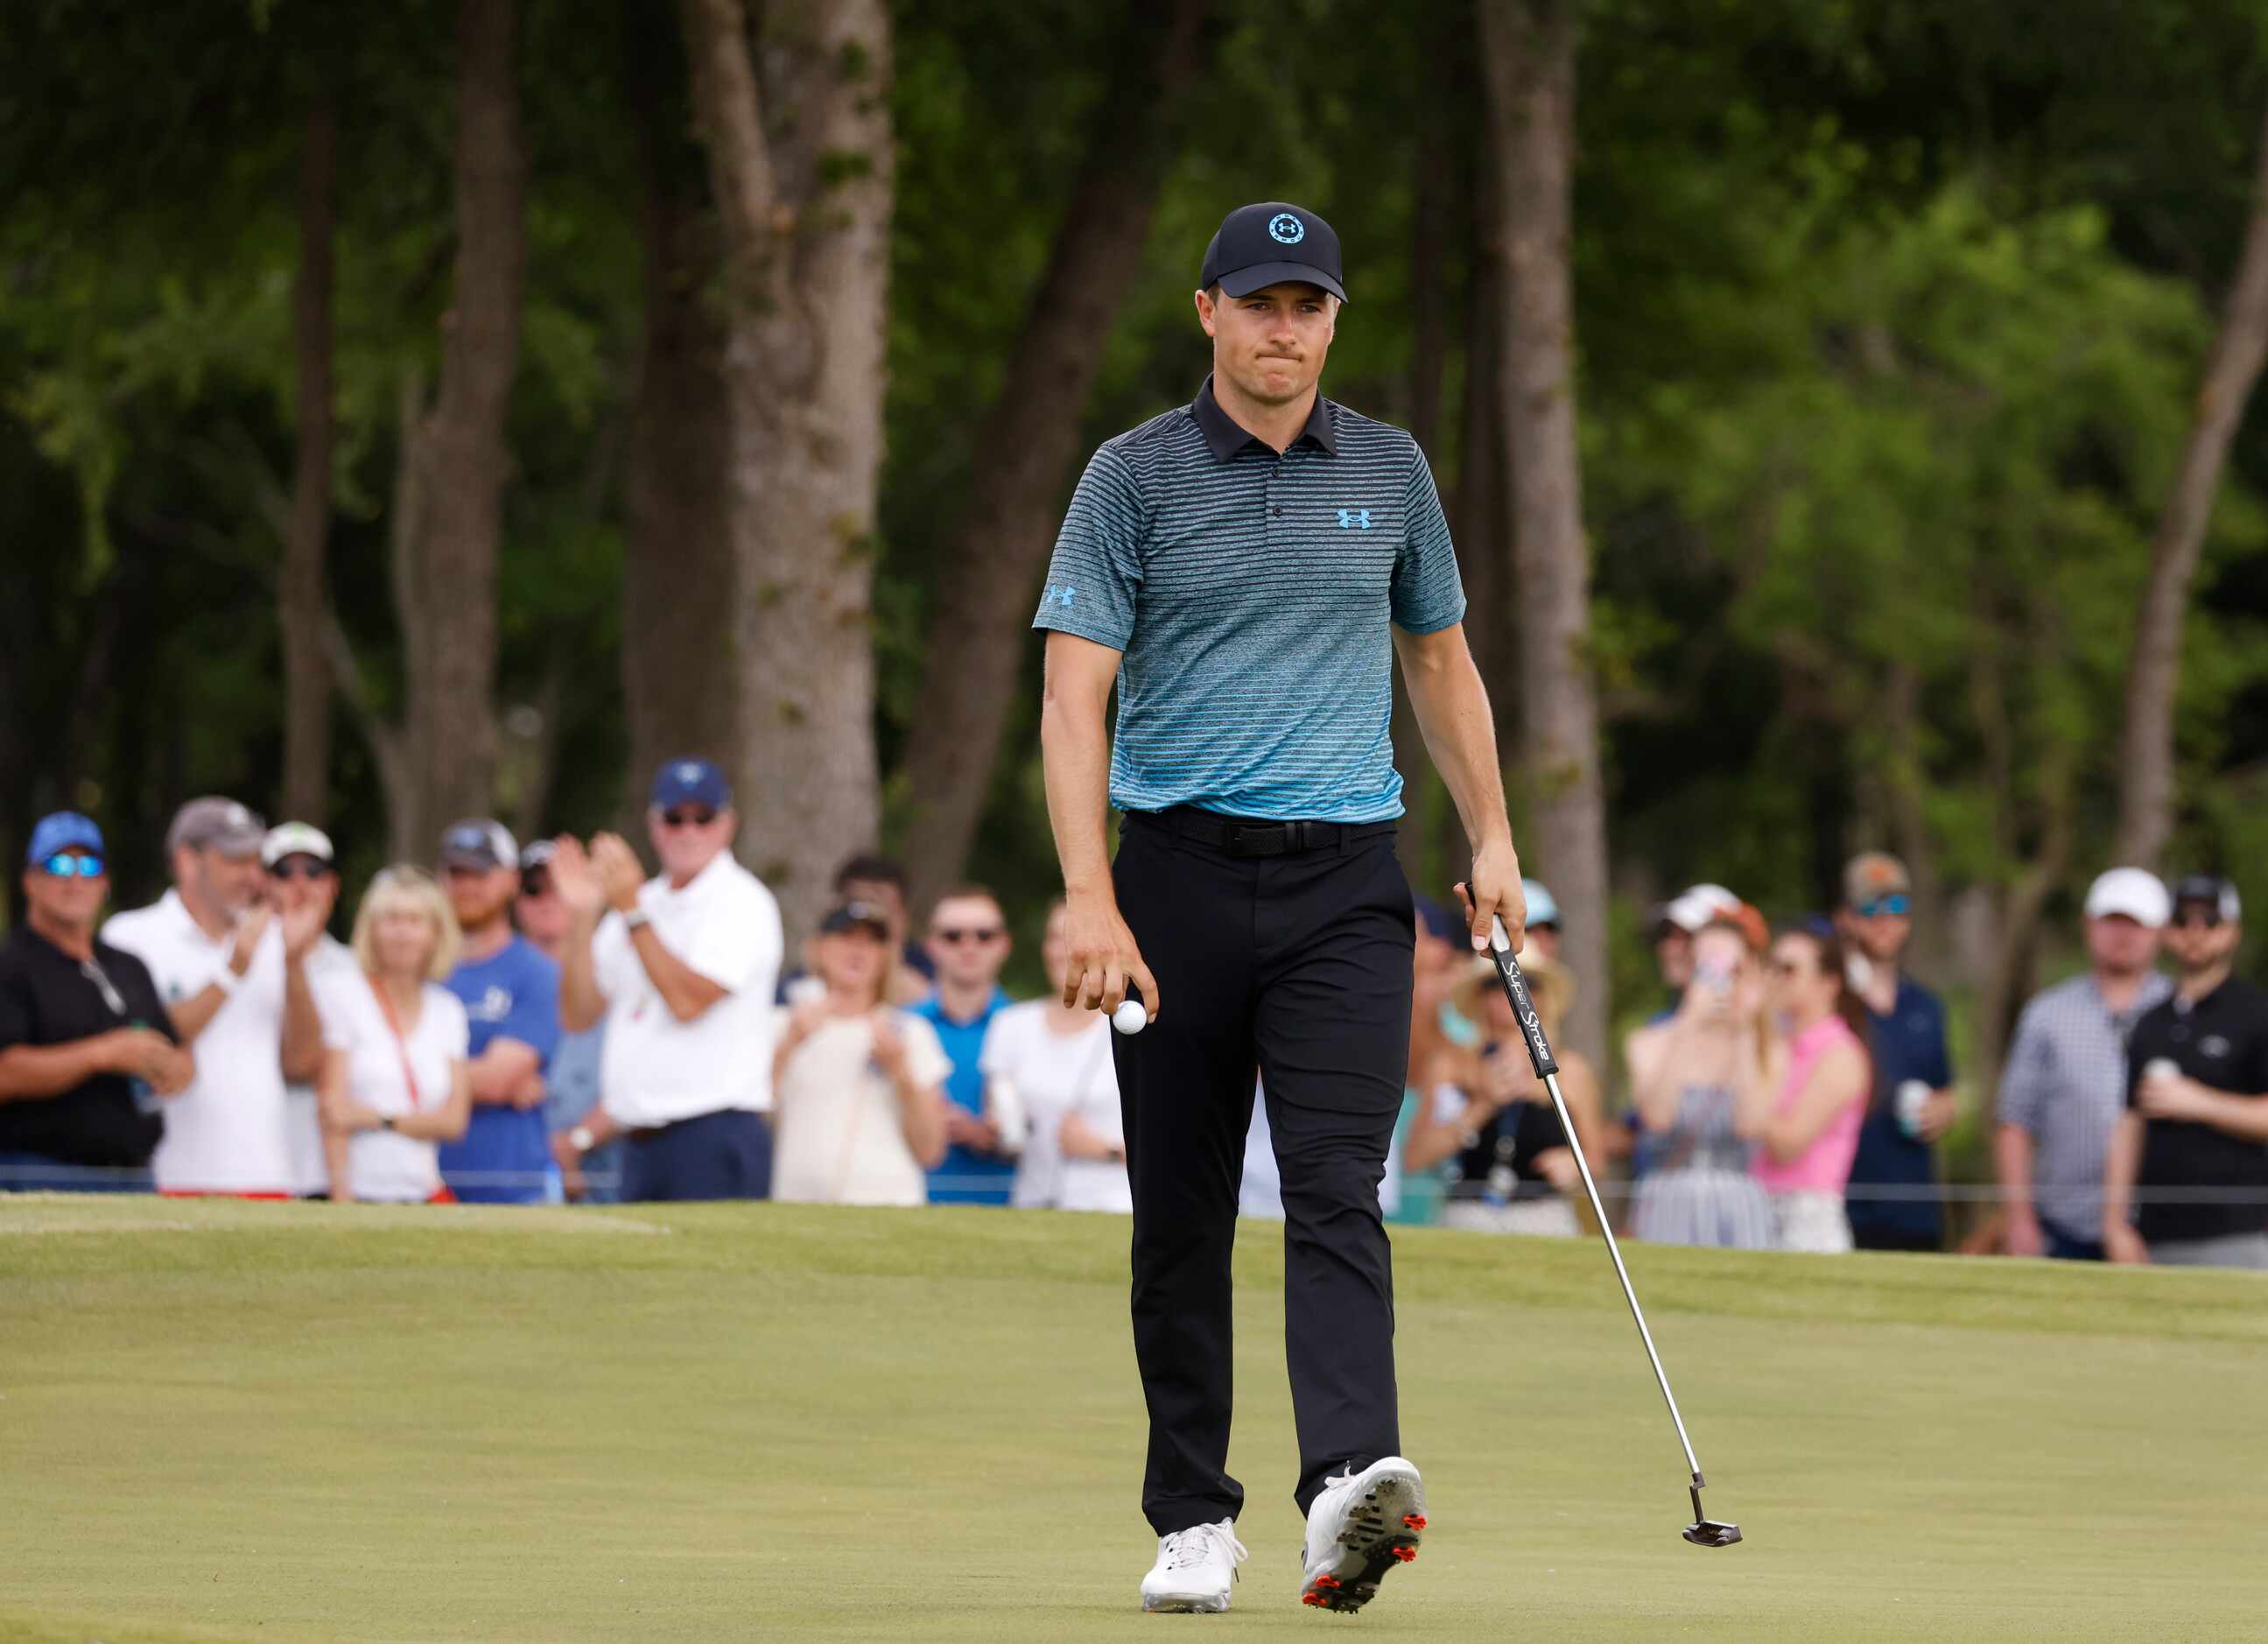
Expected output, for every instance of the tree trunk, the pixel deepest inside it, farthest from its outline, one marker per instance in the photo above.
(1529, 52)
(449, 625)
(801, 165)
(979, 633)
(2146, 796)
(678, 668)
(299, 599)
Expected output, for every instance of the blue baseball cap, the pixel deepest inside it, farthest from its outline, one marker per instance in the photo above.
(65, 830)
(1543, 906)
(691, 781)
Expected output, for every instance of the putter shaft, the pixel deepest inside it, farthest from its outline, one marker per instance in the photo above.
(1547, 1068)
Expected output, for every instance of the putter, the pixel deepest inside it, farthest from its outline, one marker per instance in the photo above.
(1703, 1531)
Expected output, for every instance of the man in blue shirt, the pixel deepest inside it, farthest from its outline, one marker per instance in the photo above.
(968, 943)
(1893, 1198)
(511, 1001)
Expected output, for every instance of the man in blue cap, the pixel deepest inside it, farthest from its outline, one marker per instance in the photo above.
(681, 968)
(1244, 570)
(85, 1042)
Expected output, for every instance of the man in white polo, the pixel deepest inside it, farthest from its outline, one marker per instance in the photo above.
(682, 969)
(216, 951)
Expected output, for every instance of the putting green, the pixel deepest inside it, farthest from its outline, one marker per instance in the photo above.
(286, 1422)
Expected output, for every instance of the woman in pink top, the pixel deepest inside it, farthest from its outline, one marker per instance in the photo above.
(1806, 1124)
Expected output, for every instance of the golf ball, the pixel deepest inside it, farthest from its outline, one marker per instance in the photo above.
(1130, 1017)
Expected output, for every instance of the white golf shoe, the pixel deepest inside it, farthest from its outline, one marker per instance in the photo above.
(1360, 1527)
(1195, 1569)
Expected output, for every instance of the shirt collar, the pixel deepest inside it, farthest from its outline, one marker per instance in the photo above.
(1225, 437)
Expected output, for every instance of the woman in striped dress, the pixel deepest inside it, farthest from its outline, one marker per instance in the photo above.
(1695, 1079)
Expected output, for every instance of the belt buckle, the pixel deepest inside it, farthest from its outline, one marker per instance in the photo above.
(1267, 839)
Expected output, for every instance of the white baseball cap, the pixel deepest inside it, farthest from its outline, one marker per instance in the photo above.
(295, 839)
(1697, 905)
(2133, 892)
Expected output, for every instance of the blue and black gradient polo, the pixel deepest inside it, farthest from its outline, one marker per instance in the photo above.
(1252, 594)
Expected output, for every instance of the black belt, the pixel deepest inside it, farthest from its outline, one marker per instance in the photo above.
(1244, 836)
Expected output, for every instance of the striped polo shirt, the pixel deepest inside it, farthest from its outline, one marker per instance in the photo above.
(1253, 593)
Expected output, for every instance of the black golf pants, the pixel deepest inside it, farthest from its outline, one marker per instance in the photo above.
(1298, 965)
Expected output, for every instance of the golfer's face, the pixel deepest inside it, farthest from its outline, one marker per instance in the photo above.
(1272, 343)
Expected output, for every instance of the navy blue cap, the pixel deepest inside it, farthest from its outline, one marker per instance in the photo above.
(691, 781)
(65, 830)
(1261, 245)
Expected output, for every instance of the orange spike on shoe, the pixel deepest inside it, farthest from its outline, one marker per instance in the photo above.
(1415, 1521)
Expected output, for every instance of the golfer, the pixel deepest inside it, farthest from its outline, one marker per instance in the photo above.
(1243, 568)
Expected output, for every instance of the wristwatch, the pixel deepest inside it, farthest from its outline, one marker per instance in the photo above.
(634, 918)
(581, 1140)
(385, 1121)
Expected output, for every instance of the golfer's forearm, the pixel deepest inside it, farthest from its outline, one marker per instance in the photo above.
(1452, 707)
(2012, 1156)
(1075, 756)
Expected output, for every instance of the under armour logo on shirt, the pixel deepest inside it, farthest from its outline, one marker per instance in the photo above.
(1354, 519)
(1059, 593)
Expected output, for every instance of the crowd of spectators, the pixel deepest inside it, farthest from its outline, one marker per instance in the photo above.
(547, 1023)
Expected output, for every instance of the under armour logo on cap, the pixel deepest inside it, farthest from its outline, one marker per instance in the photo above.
(1271, 244)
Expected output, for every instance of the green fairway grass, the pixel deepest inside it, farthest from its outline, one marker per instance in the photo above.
(286, 1422)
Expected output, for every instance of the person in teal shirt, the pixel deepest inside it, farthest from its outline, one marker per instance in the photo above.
(968, 943)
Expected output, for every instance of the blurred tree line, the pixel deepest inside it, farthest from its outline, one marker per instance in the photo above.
(465, 407)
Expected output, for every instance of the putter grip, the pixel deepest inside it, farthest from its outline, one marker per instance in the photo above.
(1523, 1005)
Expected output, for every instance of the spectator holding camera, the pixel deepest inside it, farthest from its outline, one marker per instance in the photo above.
(1805, 1117)
(681, 968)
(858, 1082)
(395, 1082)
(85, 1040)
(217, 952)
(1695, 1078)
(2195, 1134)
(511, 993)
(1892, 1199)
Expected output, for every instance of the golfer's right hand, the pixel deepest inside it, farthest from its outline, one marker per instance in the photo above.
(1103, 959)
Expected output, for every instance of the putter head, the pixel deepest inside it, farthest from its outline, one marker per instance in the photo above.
(1711, 1533)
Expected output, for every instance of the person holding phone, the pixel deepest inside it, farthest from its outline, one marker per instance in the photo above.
(1693, 1077)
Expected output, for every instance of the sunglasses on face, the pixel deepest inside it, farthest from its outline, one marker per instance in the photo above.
(2198, 920)
(298, 867)
(688, 816)
(535, 883)
(1895, 907)
(70, 864)
(960, 934)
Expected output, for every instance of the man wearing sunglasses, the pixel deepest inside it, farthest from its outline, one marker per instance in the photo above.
(511, 992)
(681, 968)
(84, 1040)
(969, 944)
(1892, 1198)
(215, 949)
(2195, 1136)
